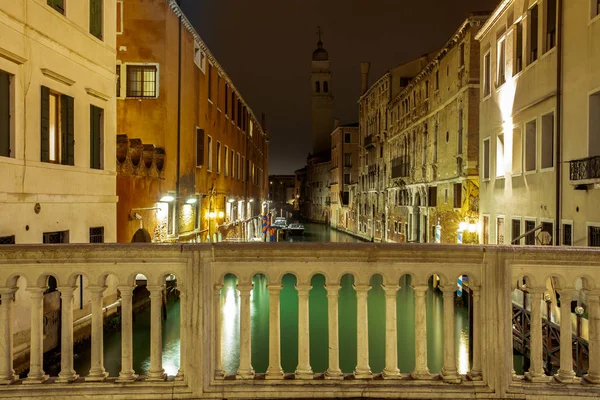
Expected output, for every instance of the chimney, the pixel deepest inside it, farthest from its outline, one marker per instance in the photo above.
(336, 123)
(264, 121)
(364, 70)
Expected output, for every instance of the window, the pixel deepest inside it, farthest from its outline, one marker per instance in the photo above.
(119, 17)
(96, 137)
(457, 195)
(530, 237)
(226, 99)
(533, 34)
(459, 149)
(218, 91)
(197, 54)
(426, 89)
(347, 160)
(325, 87)
(437, 80)
(594, 236)
(501, 62)
(530, 145)
(239, 166)
(58, 5)
(517, 152)
(432, 196)
(594, 8)
(118, 80)
(97, 235)
(347, 138)
(218, 157)
(199, 147)
(515, 231)
(318, 87)
(232, 164)
(96, 18)
(486, 229)
(142, 81)
(210, 154)
(6, 105)
(567, 234)
(244, 169)
(209, 85)
(519, 48)
(500, 230)
(594, 127)
(226, 161)
(487, 66)
(435, 144)
(232, 106)
(547, 141)
(57, 128)
(549, 228)
(461, 55)
(500, 155)
(346, 179)
(7, 239)
(55, 237)
(550, 24)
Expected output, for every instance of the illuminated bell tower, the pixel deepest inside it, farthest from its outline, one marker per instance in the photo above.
(321, 99)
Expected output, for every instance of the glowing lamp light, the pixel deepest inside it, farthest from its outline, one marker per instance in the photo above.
(462, 226)
(191, 200)
(251, 201)
(231, 200)
(167, 198)
(212, 215)
(221, 214)
(472, 228)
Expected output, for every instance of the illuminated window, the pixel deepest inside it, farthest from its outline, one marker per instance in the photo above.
(486, 229)
(57, 128)
(500, 230)
(142, 81)
(500, 155)
(226, 161)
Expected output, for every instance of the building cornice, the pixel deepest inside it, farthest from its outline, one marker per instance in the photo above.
(493, 19)
(10, 56)
(188, 25)
(373, 86)
(57, 77)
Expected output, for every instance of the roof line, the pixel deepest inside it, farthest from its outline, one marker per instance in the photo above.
(492, 19)
(186, 22)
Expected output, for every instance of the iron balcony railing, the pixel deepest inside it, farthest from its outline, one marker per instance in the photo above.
(369, 142)
(585, 168)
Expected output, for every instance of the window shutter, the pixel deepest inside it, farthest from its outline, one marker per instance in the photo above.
(95, 137)
(68, 130)
(96, 18)
(4, 114)
(45, 124)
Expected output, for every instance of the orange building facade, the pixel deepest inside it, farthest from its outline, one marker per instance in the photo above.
(192, 158)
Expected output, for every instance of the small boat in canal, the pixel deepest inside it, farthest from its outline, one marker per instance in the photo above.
(295, 229)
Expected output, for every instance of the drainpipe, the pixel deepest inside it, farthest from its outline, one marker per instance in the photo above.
(559, 51)
(177, 192)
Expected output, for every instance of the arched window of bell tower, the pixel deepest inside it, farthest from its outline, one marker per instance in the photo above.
(325, 87)
(318, 87)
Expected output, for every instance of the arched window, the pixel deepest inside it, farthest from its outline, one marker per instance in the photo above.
(318, 86)
(325, 87)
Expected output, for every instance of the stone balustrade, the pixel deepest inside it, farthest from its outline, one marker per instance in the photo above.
(494, 272)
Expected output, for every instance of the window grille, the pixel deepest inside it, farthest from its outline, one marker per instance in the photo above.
(7, 239)
(141, 81)
(97, 235)
(530, 238)
(567, 235)
(594, 236)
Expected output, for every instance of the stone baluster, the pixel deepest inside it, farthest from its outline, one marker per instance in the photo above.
(363, 370)
(304, 370)
(391, 370)
(156, 373)
(449, 371)
(219, 372)
(36, 351)
(593, 375)
(182, 330)
(475, 374)
(127, 373)
(536, 370)
(334, 371)
(245, 370)
(67, 373)
(274, 371)
(7, 373)
(421, 371)
(565, 373)
(97, 372)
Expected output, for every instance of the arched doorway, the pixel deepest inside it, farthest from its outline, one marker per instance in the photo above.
(141, 236)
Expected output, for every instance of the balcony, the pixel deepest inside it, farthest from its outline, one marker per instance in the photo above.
(399, 168)
(585, 171)
(369, 142)
(205, 306)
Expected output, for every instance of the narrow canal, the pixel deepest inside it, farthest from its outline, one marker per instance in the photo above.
(289, 326)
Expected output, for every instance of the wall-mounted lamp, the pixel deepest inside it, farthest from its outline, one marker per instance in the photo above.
(191, 200)
(251, 201)
(221, 214)
(167, 198)
(231, 200)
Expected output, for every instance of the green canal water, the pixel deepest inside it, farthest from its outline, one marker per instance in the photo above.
(289, 326)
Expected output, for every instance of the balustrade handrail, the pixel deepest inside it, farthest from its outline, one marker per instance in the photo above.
(200, 270)
(585, 168)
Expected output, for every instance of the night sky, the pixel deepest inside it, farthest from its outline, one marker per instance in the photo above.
(266, 47)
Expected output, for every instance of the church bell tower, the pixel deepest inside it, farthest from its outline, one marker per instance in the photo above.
(321, 99)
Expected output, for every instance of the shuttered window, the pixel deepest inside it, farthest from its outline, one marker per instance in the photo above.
(96, 12)
(57, 140)
(5, 150)
(58, 5)
(96, 127)
(199, 147)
